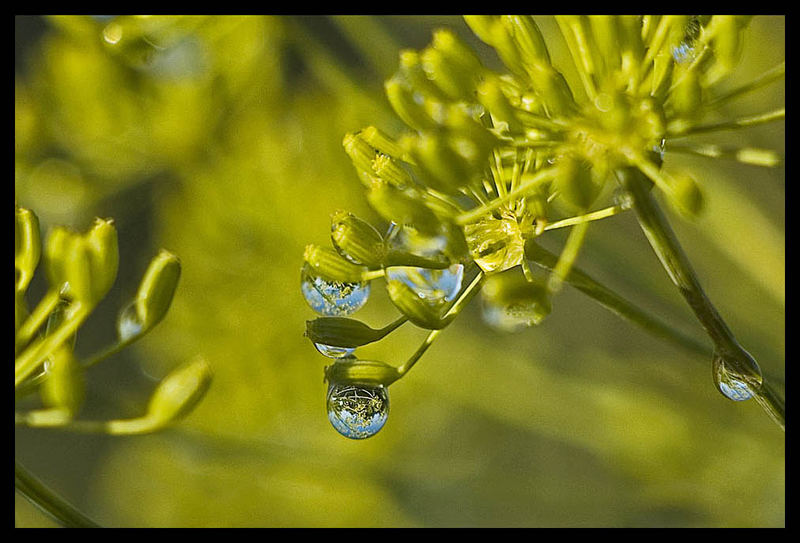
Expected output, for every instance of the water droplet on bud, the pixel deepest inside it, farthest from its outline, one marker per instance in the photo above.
(733, 384)
(129, 325)
(430, 284)
(332, 298)
(332, 351)
(357, 411)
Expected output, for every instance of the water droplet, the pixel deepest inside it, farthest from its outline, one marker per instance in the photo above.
(128, 324)
(733, 384)
(332, 298)
(431, 285)
(357, 411)
(513, 317)
(683, 53)
(332, 351)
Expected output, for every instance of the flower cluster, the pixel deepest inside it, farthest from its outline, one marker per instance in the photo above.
(494, 160)
(81, 268)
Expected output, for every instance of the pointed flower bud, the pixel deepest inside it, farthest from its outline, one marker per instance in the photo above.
(65, 385)
(576, 182)
(361, 153)
(404, 102)
(329, 265)
(687, 196)
(178, 393)
(157, 289)
(381, 141)
(361, 372)
(344, 332)
(397, 206)
(27, 246)
(357, 240)
(425, 313)
(104, 253)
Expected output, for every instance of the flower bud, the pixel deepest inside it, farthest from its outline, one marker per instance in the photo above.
(527, 37)
(357, 240)
(397, 206)
(686, 97)
(402, 100)
(576, 182)
(341, 332)
(329, 265)
(59, 243)
(27, 246)
(440, 166)
(65, 385)
(451, 65)
(389, 170)
(687, 196)
(157, 289)
(361, 372)
(411, 69)
(382, 142)
(362, 154)
(424, 313)
(491, 96)
(103, 246)
(178, 393)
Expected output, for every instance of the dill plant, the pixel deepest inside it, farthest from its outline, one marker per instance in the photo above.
(491, 162)
(81, 267)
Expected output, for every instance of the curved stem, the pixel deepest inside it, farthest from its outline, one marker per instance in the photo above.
(455, 309)
(33, 490)
(614, 302)
(666, 246)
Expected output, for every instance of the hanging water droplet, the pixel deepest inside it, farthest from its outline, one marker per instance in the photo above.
(357, 411)
(731, 383)
(332, 298)
(332, 351)
(129, 324)
(430, 284)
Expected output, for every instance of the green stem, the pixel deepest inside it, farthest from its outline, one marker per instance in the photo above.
(37, 317)
(675, 261)
(455, 309)
(48, 501)
(35, 354)
(613, 301)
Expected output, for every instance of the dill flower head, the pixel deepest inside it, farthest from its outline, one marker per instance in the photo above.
(493, 160)
(498, 154)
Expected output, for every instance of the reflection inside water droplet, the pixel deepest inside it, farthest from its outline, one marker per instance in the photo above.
(332, 298)
(430, 285)
(128, 324)
(358, 411)
(332, 351)
(683, 53)
(731, 383)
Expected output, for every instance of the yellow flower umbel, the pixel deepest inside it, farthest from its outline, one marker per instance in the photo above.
(495, 160)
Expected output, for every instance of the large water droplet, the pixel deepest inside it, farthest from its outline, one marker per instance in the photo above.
(733, 384)
(332, 298)
(332, 351)
(128, 323)
(430, 285)
(358, 411)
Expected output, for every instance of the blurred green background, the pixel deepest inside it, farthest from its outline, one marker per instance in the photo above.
(219, 138)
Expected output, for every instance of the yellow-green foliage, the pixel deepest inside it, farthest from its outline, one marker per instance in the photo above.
(582, 421)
